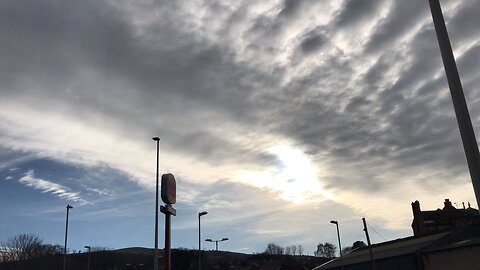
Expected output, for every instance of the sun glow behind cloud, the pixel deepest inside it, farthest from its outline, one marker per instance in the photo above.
(294, 177)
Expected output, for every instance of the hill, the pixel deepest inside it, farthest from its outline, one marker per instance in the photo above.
(137, 258)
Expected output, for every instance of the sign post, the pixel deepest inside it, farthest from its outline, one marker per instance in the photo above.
(168, 193)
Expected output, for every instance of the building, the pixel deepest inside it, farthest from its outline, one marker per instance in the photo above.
(444, 239)
(427, 222)
(455, 250)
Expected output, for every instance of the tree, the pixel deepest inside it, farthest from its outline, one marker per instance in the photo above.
(300, 250)
(99, 248)
(294, 249)
(50, 249)
(21, 247)
(346, 250)
(326, 250)
(274, 249)
(356, 245)
(26, 246)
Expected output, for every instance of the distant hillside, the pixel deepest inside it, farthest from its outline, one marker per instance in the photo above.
(137, 258)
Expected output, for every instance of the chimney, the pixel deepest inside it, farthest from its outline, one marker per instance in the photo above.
(415, 208)
(418, 225)
(447, 203)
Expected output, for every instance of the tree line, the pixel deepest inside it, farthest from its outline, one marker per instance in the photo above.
(24, 247)
(274, 249)
(326, 250)
(28, 246)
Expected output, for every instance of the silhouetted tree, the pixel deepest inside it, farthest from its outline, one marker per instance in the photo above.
(326, 250)
(300, 249)
(26, 246)
(21, 247)
(293, 248)
(50, 249)
(99, 248)
(356, 245)
(274, 249)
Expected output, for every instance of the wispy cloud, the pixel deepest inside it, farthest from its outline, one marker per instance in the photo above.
(46, 186)
(96, 190)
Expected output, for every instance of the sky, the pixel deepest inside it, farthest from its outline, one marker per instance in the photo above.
(275, 116)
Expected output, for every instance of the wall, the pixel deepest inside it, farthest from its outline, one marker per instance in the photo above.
(467, 258)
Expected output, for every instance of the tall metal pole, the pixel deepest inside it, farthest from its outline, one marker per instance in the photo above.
(199, 245)
(167, 257)
(66, 235)
(199, 240)
(155, 251)
(88, 259)
(339, 242)
(374, 266)
(459, 104)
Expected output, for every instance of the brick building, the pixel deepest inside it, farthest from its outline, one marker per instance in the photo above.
(433, 221)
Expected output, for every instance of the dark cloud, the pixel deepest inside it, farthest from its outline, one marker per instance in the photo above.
(389, 31)
(290, 7)
(408, 121)
(90, 58)
(312, 42)
(461, 24)
(355, 12)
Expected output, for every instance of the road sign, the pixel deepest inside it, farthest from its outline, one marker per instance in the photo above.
(169, 189)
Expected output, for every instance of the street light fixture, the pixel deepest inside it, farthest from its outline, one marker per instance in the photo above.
(66, 234)
(155, 251)
(216, 242)
(339, 242)
(199, 240)
(88, 261)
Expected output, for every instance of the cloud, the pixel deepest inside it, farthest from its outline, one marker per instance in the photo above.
(356, 88)
(28, 179)
(356, 11)
(312, 42)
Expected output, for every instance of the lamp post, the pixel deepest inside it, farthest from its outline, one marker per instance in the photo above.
(155, 251)
(467, 133)
(88, 260)
(339, 242)
(216, 242)
(66, 234)
(199, 240)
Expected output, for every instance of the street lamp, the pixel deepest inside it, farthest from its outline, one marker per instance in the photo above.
(88, 260)
(216, 242)
(66, 234)
(339, 242)
(155, 251)
(199, 240)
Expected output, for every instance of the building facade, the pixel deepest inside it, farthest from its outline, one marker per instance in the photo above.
(447, 218)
